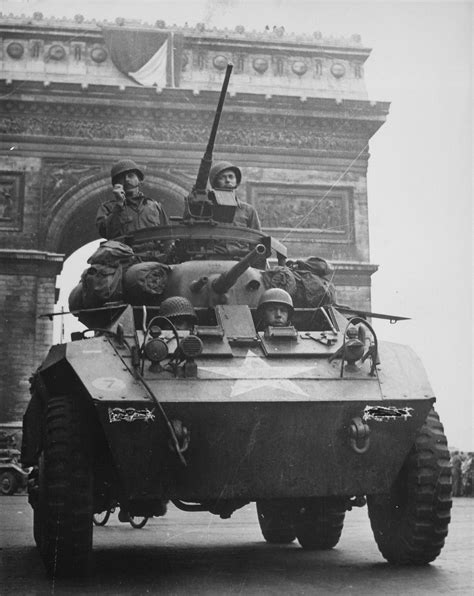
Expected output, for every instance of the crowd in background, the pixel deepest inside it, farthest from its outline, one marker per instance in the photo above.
(463, 473)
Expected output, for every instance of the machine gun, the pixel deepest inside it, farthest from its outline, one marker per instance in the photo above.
(207, 204)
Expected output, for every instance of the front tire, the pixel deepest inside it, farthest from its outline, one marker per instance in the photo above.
(410, 523)
(276, 522)
(66, 491)
(8, 483)
(319, 523)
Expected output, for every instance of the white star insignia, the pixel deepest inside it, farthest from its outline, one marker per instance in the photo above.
(258, 373)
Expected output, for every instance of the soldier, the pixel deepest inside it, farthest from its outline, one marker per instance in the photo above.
(226, 176)
(275, 308)
(129, 210)
(180, 312)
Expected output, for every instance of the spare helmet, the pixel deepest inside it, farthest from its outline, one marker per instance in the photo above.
(219, 167)
(275, 296)
(177, 306)
(125, 165)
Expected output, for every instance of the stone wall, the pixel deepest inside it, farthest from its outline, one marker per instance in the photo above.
(27, 290)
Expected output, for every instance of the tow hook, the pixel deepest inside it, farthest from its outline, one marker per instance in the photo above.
(359, 438)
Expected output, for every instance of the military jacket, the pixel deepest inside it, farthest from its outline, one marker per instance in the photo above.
(114, 220)
(246, 216)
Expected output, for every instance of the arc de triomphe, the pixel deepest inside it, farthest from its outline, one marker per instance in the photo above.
(297, 120)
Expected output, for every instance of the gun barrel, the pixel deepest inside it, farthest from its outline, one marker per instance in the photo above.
(206, 161)
(225, 281)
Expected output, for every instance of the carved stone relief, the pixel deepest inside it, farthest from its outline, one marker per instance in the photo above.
(312, 209)
(58, 178)
(269, 132)
(11, 200)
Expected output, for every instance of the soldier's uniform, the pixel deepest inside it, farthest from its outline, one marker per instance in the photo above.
(115, 220)
(245, 215)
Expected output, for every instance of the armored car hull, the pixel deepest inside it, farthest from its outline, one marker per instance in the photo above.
(276, 420)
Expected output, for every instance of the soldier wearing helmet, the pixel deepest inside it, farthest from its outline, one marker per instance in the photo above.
(130, 209)
(224, 175)
(275, 308)
(180, 312)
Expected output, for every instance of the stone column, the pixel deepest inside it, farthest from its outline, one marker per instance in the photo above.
(27, 290)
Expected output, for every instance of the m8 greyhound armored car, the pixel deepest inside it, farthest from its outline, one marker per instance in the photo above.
(307, 420)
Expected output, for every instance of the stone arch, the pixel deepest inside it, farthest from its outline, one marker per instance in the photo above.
(71, 223)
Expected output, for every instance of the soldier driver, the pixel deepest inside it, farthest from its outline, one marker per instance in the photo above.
(180, 312)
(275, 308)
(129, 210)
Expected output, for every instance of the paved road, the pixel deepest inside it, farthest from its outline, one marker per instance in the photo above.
(196, 553)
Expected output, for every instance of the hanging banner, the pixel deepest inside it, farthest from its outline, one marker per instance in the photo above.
(151, 58)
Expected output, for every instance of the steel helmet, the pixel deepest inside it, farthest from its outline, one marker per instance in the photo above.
(219, 167)
(177, 306)
(125, 165)
(275, 296)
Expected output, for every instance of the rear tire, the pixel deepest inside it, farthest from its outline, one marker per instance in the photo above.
(63, 521)
(8, 483)
(100, 519)
(319, 523)
(411, 522)
(276, 522)
(137, 522)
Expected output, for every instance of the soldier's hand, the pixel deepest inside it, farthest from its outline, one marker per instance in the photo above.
(119, 193)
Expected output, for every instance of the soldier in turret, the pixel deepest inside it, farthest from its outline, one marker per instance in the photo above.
(130, 209)
(224, 175)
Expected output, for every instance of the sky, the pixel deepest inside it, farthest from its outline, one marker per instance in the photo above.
(420, 169)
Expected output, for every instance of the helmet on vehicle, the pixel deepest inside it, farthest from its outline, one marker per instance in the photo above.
(219, 167)
(177, 306)
(125, 165)
(275, 296)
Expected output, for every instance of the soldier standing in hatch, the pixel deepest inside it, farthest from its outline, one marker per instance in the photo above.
(275, 308)
(180, 312)
(130, 209)
(224, 175)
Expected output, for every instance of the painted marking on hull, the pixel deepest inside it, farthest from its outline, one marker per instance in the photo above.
(130, 415)
(385, 413)
(253, 369)
(108, 384)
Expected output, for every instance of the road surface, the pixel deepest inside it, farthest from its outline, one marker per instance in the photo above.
(198, 553)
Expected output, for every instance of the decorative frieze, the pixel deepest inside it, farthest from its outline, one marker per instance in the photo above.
(56, 52)
(179, 127)
(272, 62)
